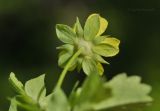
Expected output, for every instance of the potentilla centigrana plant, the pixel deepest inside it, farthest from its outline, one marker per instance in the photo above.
(84, 48)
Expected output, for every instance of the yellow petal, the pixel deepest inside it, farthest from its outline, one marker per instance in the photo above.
(91, 27)
(90, 16)
(112, 41)
(103, 25)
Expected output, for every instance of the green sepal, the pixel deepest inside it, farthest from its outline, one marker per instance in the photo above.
(67, 47)
(100, 59)
(63, 58)
(78, 28)
(65, 55)
(65, 33)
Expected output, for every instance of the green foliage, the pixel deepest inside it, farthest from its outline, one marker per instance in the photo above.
(95, 94)
(83, 49)
(34, 94)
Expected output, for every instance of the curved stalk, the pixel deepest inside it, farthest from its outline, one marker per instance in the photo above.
(64, 72)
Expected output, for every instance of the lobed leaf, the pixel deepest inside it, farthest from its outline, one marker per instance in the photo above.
(91, 93)
(35, 88)
(126, 92)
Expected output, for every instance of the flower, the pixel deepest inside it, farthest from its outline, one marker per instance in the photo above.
(94, 45)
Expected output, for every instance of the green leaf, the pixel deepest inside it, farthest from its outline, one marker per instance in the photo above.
(78, 28)
(35, 88)
(92, 92)
(63, 60)
(16, 84)
(91, 27)
(129, 107)
(126, 92)
(89, 66)
(57, 101)
(105, 50)
(65, 33)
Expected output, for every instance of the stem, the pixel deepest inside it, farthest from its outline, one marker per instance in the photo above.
(64, 72)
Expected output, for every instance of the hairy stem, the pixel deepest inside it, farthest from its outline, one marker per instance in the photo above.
(64, 72)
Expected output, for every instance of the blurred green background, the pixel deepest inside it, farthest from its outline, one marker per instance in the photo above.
(28, 41)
